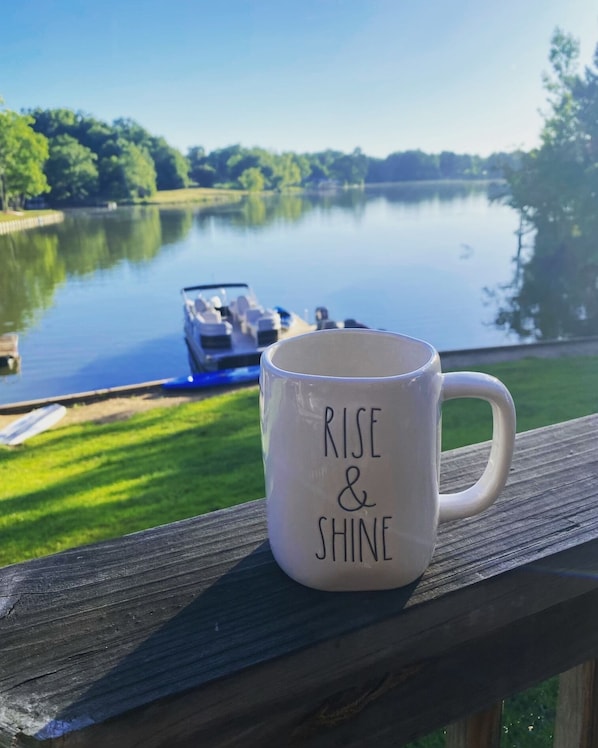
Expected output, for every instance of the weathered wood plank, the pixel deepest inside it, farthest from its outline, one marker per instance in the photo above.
(480, 730)
(577, 709)
(190, 634)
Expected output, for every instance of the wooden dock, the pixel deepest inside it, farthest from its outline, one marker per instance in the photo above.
(9, 351)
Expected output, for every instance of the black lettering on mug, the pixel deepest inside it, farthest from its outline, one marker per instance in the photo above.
(348, 429)
(323, 556)
(339, 534)
(352, 502)
(359, 437)
(354, 540)
(372, 542)
(329, 415)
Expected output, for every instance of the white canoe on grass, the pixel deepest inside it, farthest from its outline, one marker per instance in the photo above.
(32, 424)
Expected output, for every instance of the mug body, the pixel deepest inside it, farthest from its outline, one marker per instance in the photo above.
(351, 449)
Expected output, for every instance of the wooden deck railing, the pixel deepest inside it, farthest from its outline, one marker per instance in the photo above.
(190, 635)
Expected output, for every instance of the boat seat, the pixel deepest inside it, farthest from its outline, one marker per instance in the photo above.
(213, 331)
(210, 315)
(253, 314)
(263, 325)
(239, 307)
(249, 318)
(200, 305)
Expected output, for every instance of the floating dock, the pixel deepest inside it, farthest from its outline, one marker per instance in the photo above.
(9, 353)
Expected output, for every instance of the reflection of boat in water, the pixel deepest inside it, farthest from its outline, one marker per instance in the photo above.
(227, 328)
(9, 353)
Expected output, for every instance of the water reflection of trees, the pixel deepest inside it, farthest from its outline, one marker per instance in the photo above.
(256, 212)
(553, 295)
(35, 263)
(422, 192)
(31, 270)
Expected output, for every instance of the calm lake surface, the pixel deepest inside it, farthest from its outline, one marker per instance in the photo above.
(96, 299)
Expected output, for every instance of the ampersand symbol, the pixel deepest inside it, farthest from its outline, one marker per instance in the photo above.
(352, 475)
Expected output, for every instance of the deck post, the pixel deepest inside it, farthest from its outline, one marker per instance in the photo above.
(577, 708)
(480, 730)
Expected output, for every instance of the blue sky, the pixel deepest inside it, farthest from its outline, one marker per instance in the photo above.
(301, 75)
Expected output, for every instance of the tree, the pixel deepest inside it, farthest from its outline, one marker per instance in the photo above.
(200, 172)
(219, 159)
(458, 165)
(23, 153)
(72, 170)
(94, 134)
(53, 122)
(172, 168)
(285, 171)
(555, 190)
(126, 171)
(350, 168)
(240, 162)
(252, 180)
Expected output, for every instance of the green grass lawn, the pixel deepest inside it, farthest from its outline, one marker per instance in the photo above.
(21, 215)
(82, 483)
(193, 195)
(87, 482)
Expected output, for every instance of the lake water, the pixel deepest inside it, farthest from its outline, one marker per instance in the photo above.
(96, 299)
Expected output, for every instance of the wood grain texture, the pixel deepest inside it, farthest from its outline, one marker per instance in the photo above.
(189, 634)
(577, 709)
(480, 730)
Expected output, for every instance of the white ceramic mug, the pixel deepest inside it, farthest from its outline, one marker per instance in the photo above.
(351, 445)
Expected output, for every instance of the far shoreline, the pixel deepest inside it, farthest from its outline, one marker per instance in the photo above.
(212, 196)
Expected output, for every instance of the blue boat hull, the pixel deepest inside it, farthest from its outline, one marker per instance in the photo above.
(240, 375)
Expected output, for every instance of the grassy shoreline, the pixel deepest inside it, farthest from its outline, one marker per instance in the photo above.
(192, 195)
(189, 195)
(91, 481)
(219, 195)
(22, 215)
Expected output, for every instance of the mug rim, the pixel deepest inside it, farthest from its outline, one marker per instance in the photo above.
(267, 362)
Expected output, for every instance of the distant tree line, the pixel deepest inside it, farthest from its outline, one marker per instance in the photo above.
(256, 168)
(76, 159)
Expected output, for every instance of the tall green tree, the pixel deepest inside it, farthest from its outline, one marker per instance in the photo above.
(54, 122)
(126, 171)
(350, 168)
(555, 190)
(72, 170)
(23, 153)
(172, 168)
(200, 171)
(252, 179)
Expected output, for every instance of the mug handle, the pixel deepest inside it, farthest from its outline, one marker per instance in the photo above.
(484, 492)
